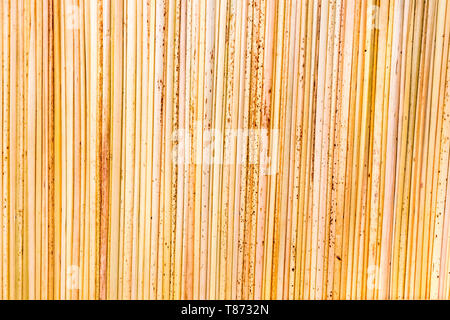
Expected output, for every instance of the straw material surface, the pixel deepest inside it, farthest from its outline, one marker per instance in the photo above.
(232, 149)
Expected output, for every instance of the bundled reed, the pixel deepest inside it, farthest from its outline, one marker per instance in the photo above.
(232, 149)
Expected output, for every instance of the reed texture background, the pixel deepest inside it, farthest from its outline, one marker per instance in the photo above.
(232, 149)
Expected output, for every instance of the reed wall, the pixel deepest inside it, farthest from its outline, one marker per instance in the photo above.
(232, 149)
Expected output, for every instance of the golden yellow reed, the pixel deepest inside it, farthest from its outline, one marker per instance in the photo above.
(232, 149)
